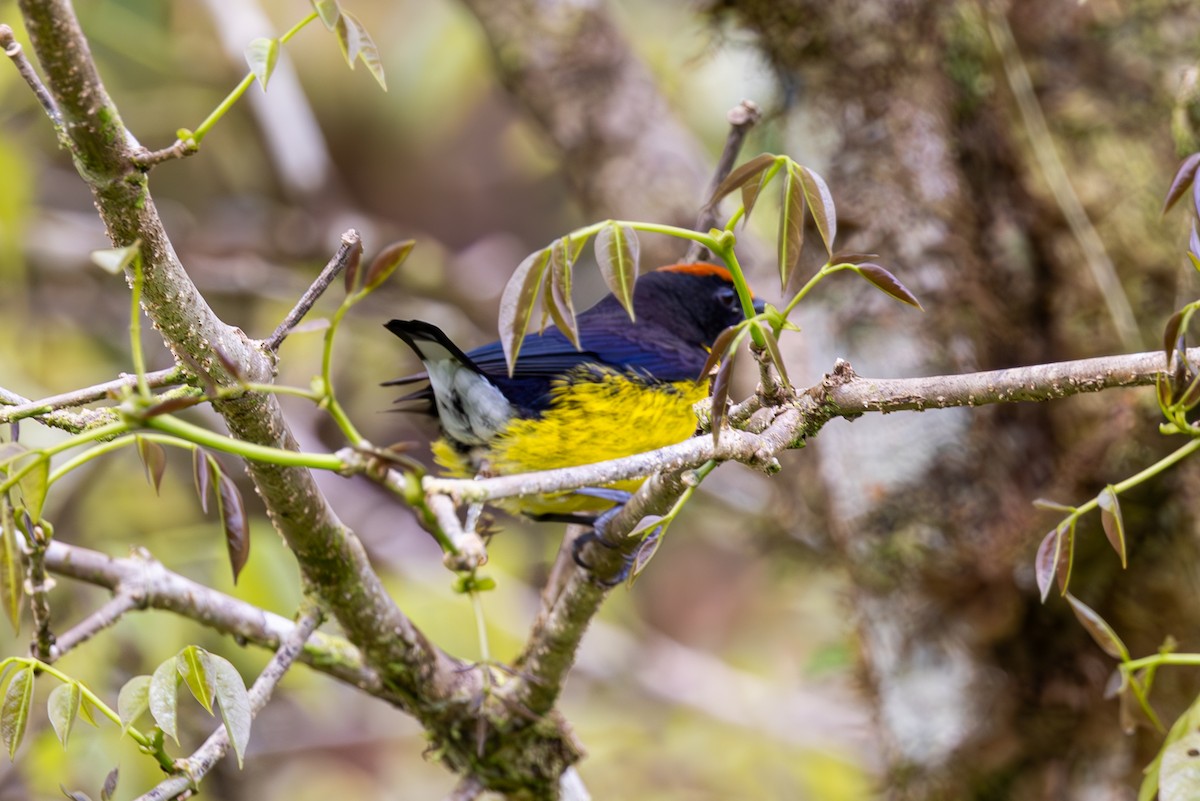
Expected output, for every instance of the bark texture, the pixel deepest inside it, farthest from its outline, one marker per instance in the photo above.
(980, 691)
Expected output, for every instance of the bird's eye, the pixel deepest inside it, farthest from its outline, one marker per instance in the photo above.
(727, 296)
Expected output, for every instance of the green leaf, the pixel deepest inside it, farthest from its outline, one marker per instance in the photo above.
(63, 708)
(33, 486)
(617, 252)
(164, 686)
(12, 572)
(154, 460)
(234, 702)
(329, 11)
(887, 283)
(1096, 626)
(353, 260)
(791, 224)
(558, 299)
(357, 45)
(516, 303)
(820, 205)
(1113, 522)
(85, 711)
(235, 523)
(774, 353)
(383, 265)
(262, 55)
(14, 715)
(133, 700)
(1179, 772)
(115, 260)
(192, 664)
(74, 795)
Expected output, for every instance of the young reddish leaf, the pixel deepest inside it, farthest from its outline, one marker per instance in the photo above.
(820, 205)
(353, 260)
(14, 714)
(516, 303)
(234, 702)
(651, 540)
(133, 700)
(791, 224)
(233, 519)
(717, 352)
(12, 572)
(192, 664)
(232, 367)
(720, 393)
(744, 175)
(383, 265)
(63, 708)
(200, 473)
(328, 11)
(1096, 626)
(171, 405)
(1113, 522)
(751, 191)
(852, 258)
(1183, 178)
(1045, 564)
(1171, 332)
(617, 252)
(163, 696)
(74, 795)
(1194, 242)
(110, 784)
(262, 55)
(347, 39)
(886, 282)
(154, 460)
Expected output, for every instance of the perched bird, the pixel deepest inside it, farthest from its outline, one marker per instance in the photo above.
(630, 388)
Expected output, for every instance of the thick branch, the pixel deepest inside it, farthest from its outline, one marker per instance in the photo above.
(331, 557)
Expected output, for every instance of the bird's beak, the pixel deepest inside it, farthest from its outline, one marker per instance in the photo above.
(760, 305)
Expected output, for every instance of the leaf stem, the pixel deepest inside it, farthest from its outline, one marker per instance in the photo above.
(135, 324)
(259, 453)
(212, 119)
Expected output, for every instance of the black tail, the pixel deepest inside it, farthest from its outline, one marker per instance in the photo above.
(427, 341)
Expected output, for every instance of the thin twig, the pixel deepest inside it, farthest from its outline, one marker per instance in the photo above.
(13, 49)
(15, 407)
(350, 248)
(197, 766)
(108, 614)
(742, 118)
(147, 159)
(153, 586)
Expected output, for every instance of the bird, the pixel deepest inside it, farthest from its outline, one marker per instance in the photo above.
(628, 388)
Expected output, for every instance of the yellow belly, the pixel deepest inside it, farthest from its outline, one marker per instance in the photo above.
(590, 419)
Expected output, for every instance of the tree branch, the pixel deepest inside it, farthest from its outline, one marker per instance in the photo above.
(197, 766)
(742, 118)
(349, 250)
(18, 408)
(12, 49)
(841, 394)
(149, 585)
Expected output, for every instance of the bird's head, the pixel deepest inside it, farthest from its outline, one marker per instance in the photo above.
(696, 301)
